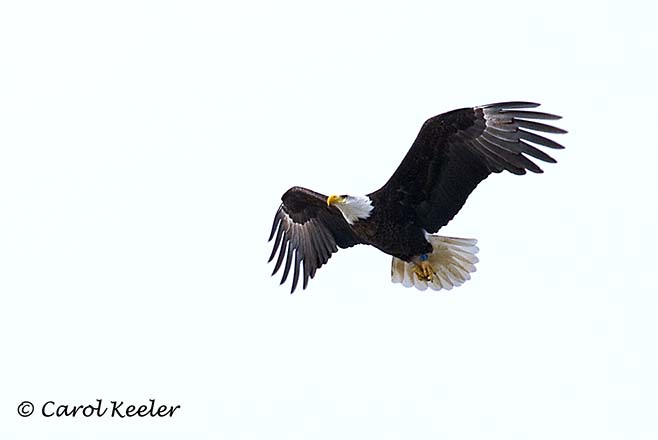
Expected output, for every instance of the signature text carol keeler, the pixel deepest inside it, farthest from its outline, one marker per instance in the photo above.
(116, 408)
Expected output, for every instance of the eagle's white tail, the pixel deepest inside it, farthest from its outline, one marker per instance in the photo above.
(452, 260)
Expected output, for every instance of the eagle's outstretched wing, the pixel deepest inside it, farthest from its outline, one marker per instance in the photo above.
(455, 151)
(307, 231)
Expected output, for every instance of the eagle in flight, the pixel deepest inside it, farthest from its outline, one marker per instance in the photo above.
(451, 155)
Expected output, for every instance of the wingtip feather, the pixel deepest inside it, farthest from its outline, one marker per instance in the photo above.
(511, 105)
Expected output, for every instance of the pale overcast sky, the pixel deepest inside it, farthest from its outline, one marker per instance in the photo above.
(144, 147)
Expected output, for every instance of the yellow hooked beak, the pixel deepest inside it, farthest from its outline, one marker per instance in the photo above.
(333, 199)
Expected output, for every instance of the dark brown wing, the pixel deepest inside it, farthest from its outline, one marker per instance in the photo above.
(307, 233)
(455, 151)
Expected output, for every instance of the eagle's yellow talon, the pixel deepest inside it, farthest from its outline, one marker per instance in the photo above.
(424, 271)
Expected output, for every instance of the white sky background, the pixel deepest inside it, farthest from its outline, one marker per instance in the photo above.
(144, 147)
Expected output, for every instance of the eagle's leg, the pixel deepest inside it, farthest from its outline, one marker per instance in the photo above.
(423, 269)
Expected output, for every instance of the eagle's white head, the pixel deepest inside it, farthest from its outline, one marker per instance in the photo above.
(353, 208)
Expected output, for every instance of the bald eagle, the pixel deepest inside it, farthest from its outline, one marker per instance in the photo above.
(451, 155)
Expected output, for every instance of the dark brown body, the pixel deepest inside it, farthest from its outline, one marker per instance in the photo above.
(393, 231)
